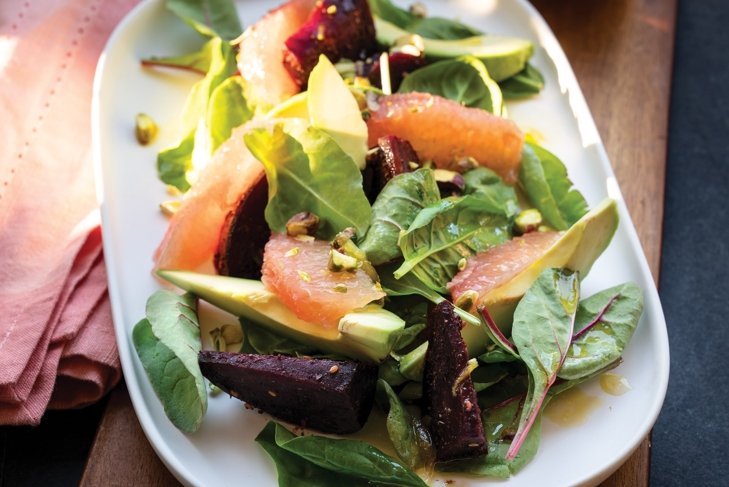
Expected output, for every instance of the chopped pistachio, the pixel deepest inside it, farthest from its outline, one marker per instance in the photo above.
(462, 264)
(413, 165)
(292, 252)
(304, 238)
(465, 374)
(465, 164)
(214, 390)
(304, 276)
(527, 221)
(169, 208)
(303, 223)
(344, 243)
(545, 228)
(467, 299)
(419, 10)
(412, 40)
(340, 288)
(145, 128)
(233, 334)
(333, 369)
(340, 262)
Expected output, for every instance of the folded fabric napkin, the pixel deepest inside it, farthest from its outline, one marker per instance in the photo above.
(57, 346)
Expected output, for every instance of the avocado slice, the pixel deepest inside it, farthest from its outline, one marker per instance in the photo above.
(366, 334)
(503, 56)
(577, 249)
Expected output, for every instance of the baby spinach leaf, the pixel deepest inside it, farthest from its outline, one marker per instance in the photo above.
(396, 207)
(308, 171)
(294, 471)
(542, 331)
(561, 385)
(407, 336)
(486, 184)
(355, 460)
(428, 27)
(544, 179)
(409, 284)
(209, 17)
(408, 434)
(527, 82)
(167, 342)
(464, 80)
(227, 109)
(258, 339)
(500, 423)
(174, 163)
(447, 232)
(604, 325)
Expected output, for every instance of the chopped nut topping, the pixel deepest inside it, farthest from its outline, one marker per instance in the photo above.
(272, 394)
(294, 251)
(334, 369)
(303, 223)
(304, 276)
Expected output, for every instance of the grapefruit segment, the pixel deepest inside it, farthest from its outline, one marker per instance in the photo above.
(295, 269)
(445, 132)
(260, 56)
(193, 232)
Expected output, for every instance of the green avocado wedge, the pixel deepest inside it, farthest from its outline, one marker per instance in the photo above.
(366, 333)
(503, 56)
(577, 249)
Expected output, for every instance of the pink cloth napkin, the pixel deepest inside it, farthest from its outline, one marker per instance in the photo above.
(57, 346)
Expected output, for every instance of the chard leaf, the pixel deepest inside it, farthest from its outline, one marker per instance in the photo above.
(227, 110)
(604, 325)
(167, 342)
(527, 82)
(542, 331)
(408, 434)
(175, 163)
(443, 234)
(544, 179)
(308, 171)
(209, 17)
(355, 462)
(429, 27)
(464, 80)
(500, 423)
(561, 385)
(198, 61)
(396, 207)
(484, 183)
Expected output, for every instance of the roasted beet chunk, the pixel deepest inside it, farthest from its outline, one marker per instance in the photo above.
(392, 157)
(331, 396)
(244, 235)
(448, 394)
(336, 28)
(401, 64)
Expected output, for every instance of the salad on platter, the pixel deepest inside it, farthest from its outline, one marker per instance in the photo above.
(350, 187)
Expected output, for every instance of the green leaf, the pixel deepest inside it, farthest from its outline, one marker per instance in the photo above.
(294, 471)
(407, 335)
(408, 434)
(447, 232)
(526, 82)
(464, 80)
(263, 341)
(544, 180)
(500, 423)
(429, 27)
(355, 461)
(175, 163)
(484, 183)
(198, 61)
(396, 207)
(167, 343)
(308, 171)
(542, 331)
(209, 17)
(604, 325)
(227, 109)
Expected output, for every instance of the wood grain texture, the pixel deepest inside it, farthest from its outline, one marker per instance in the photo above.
(622, 53)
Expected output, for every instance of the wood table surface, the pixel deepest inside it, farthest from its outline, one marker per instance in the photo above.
(622, 54)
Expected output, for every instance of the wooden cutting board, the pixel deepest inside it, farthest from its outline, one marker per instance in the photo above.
(622, 54)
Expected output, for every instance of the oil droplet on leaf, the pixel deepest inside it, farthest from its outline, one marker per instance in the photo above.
(614, 384)
(572, 407)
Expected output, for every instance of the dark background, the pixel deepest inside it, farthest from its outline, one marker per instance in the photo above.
(691, 437)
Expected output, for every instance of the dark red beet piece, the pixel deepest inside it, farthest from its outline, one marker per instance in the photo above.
(336, 28)
(392, 157)
(401, 64)
(455, 419)
(332, 396)
(244, 235)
